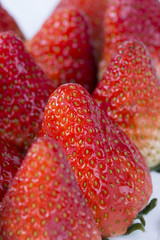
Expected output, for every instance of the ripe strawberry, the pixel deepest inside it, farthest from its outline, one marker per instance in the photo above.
(24, 90)
(132, 19)
(8, 23)
(95, 11)
(63, 48)
(44, 200)
(110, 170)
(10, 160)
(129, 93)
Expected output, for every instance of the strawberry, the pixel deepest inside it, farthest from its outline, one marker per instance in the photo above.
(10, 160)
(110, 170)
(24, 90)
(63, 48)
(95, 11)
(129, 93)
(7, 23)
(44, 200)
(128, 20)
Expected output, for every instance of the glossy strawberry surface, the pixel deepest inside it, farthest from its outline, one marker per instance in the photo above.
(7, 23)
(63, 48)
(44, 201)
(129, 93)
(110, 170)
(10, 160)
(95, 11)
(132, 19)
(24, 91)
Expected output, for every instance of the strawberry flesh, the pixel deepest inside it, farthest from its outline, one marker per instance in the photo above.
(128, 20)
(24, 91)
(63, 48)
(129, 93)
(110, 170)
(10, 160)
(95, 10)
(44, 200)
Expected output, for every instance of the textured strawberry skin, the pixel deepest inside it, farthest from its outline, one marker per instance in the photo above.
(132, 19)
(10, 160)
(63, 49)
(110, 170)
(95, 10)
(44, 201)
(24, 90)
(7, 23)
(129, 93)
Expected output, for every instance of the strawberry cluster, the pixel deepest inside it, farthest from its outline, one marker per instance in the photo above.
(75, 153)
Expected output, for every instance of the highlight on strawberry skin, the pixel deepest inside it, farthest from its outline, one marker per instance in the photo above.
(129, 93)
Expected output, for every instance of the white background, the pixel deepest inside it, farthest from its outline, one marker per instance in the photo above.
(30, 15)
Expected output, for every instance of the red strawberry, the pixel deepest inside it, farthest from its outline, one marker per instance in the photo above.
(129, 93)
(110, 170)
(10, 160)
(8, 23)
(95, 10)
(63, 48)
(24, 90)
(132, 19)
(44, 201)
